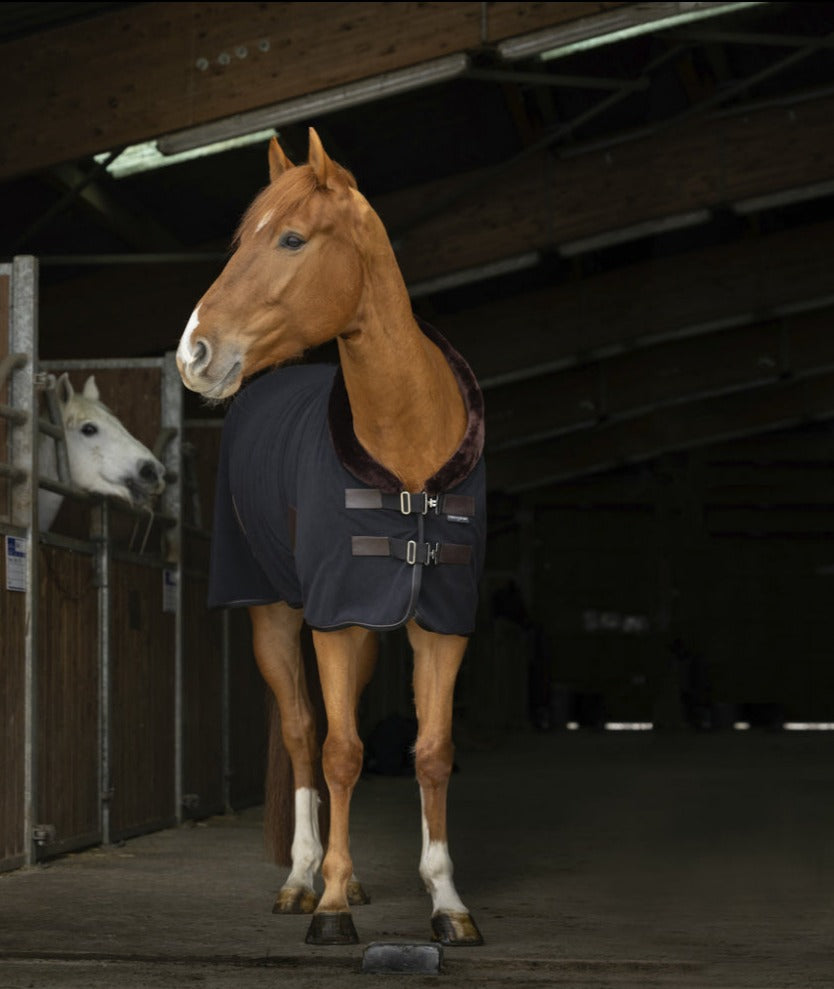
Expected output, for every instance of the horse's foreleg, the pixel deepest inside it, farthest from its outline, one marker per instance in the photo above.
(276, 638)
(437, 659)
(344, 660)
(368, 654)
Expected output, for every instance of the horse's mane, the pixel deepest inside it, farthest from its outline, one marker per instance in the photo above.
(280, 198)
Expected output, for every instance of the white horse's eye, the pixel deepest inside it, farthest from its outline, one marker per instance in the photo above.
(89, 429)
(291, 241)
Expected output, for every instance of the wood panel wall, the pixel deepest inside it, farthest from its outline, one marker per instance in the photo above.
(68, 698)
(81, 85)
(143, 702)
(247, 726)
(202, 694)
(13, 844)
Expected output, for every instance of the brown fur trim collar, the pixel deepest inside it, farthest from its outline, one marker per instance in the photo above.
(362, 465)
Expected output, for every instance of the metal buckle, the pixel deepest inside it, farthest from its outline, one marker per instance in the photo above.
(405, 502)
(411, 552)
(432, 553)
(429, 501)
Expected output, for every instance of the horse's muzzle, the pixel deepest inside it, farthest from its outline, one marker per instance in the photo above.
(202, 377)
(147, 482)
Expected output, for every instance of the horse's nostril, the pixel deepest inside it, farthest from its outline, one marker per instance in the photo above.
(148, 472)
(201, 354)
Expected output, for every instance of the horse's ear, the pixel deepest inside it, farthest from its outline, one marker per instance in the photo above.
(322, 166)
(63, 386)
(278, 161)
(91, 389)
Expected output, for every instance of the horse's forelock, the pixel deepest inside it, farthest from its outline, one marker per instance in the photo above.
(276, 201)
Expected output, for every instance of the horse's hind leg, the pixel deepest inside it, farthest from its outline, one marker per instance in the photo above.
(276, 639)
(437, 659)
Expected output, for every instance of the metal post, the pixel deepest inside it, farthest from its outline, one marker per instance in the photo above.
(101, 533)
(171, 416)
(24, 339)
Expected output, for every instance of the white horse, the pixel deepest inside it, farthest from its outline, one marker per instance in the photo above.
(104, 458)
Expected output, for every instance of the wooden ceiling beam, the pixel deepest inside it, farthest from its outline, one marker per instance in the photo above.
(643, 304)
(667, 376)
(696, 424)
(149, 69)
(127, 221)
(543, 202)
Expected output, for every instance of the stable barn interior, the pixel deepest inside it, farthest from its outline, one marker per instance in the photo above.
(621, 214)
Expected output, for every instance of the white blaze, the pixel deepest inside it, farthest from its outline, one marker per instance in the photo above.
(264, 220)
(184, 351)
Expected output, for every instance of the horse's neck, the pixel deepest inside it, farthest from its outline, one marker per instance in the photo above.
(407, 409)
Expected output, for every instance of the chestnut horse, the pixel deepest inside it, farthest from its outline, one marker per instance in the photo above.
(295, 535)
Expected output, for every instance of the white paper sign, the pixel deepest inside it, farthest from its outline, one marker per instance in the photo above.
(16, 550)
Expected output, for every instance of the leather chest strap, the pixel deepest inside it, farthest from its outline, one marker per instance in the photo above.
(410, 550)
(407, 503)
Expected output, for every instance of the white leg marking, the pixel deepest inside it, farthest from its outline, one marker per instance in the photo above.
(184, 352)
(306, 843)
(436, 872)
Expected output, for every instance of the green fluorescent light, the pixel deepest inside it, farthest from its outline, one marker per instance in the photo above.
(146, 156)
(613, 26)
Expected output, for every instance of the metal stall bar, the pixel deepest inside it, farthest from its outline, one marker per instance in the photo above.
(101, 534)
(171, 456)
(13, 841)
(24, 513)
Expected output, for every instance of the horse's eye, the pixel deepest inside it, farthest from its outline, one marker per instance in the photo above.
(89, 429)
(291, 241)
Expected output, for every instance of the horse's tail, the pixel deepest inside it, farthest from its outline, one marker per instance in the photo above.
(279, 788)
(279, 805)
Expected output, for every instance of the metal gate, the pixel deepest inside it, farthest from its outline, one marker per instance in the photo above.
(115, 693)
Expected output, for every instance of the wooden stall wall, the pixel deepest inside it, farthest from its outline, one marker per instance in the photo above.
(143, 715)
(68, 699)
(137, 733)
(218, 663)
(12, 617)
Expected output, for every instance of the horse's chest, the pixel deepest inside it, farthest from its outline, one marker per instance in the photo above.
(322, 546)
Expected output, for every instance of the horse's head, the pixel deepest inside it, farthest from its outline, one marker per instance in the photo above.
(295, 280)
(103, 456)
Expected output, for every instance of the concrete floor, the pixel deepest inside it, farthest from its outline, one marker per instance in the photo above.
(591, 860)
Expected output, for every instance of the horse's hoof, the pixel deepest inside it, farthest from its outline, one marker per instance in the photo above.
(356, 895)
(455, 929)
(332, 928)
(295, 899)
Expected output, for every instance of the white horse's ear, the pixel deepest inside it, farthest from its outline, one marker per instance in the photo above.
(63, 387)
(90, 389)
(278, 161)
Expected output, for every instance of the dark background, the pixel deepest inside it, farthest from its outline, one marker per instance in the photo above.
(639, 237)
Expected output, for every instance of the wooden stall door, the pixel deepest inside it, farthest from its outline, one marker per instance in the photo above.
(203, 693)
(245, 697)
(68, 700)
(142, 736)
